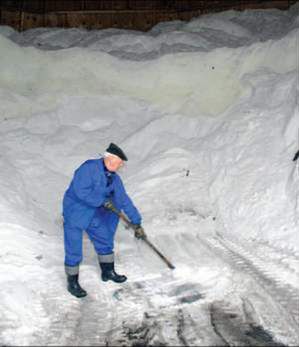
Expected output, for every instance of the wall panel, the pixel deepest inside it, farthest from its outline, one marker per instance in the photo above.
(130, 14)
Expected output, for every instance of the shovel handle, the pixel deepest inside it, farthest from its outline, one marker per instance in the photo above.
(168, 263)
(145, 239)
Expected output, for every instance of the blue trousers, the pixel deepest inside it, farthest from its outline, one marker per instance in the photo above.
(101, 232)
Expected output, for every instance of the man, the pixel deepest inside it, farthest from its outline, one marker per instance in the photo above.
(95, 186)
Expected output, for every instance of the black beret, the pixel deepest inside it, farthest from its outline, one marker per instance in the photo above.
(114, 149)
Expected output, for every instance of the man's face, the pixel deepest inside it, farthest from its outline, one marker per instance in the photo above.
(113, 163)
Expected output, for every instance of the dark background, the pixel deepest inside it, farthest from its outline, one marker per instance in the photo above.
(126, 14)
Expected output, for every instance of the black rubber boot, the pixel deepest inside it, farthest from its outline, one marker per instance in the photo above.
(74, 287)
(108, 273)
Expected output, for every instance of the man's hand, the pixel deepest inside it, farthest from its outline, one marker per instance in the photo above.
(109, 205)
(139, 232)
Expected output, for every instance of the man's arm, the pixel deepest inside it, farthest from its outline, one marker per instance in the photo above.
(127, 205)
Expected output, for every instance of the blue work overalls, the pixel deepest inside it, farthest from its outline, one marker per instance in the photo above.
(92, 186)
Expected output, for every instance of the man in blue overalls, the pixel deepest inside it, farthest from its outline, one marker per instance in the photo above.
(96, 184)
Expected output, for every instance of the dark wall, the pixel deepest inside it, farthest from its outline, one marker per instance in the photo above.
(91, 5)
(129, 14)
(41, 6)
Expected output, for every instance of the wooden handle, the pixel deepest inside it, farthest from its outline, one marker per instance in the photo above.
(145, 239)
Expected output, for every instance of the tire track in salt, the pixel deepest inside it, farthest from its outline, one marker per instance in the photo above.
(284, 297)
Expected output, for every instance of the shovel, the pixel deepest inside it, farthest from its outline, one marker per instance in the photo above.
(110, 206)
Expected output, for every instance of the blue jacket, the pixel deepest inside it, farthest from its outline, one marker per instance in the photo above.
(91, 186)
